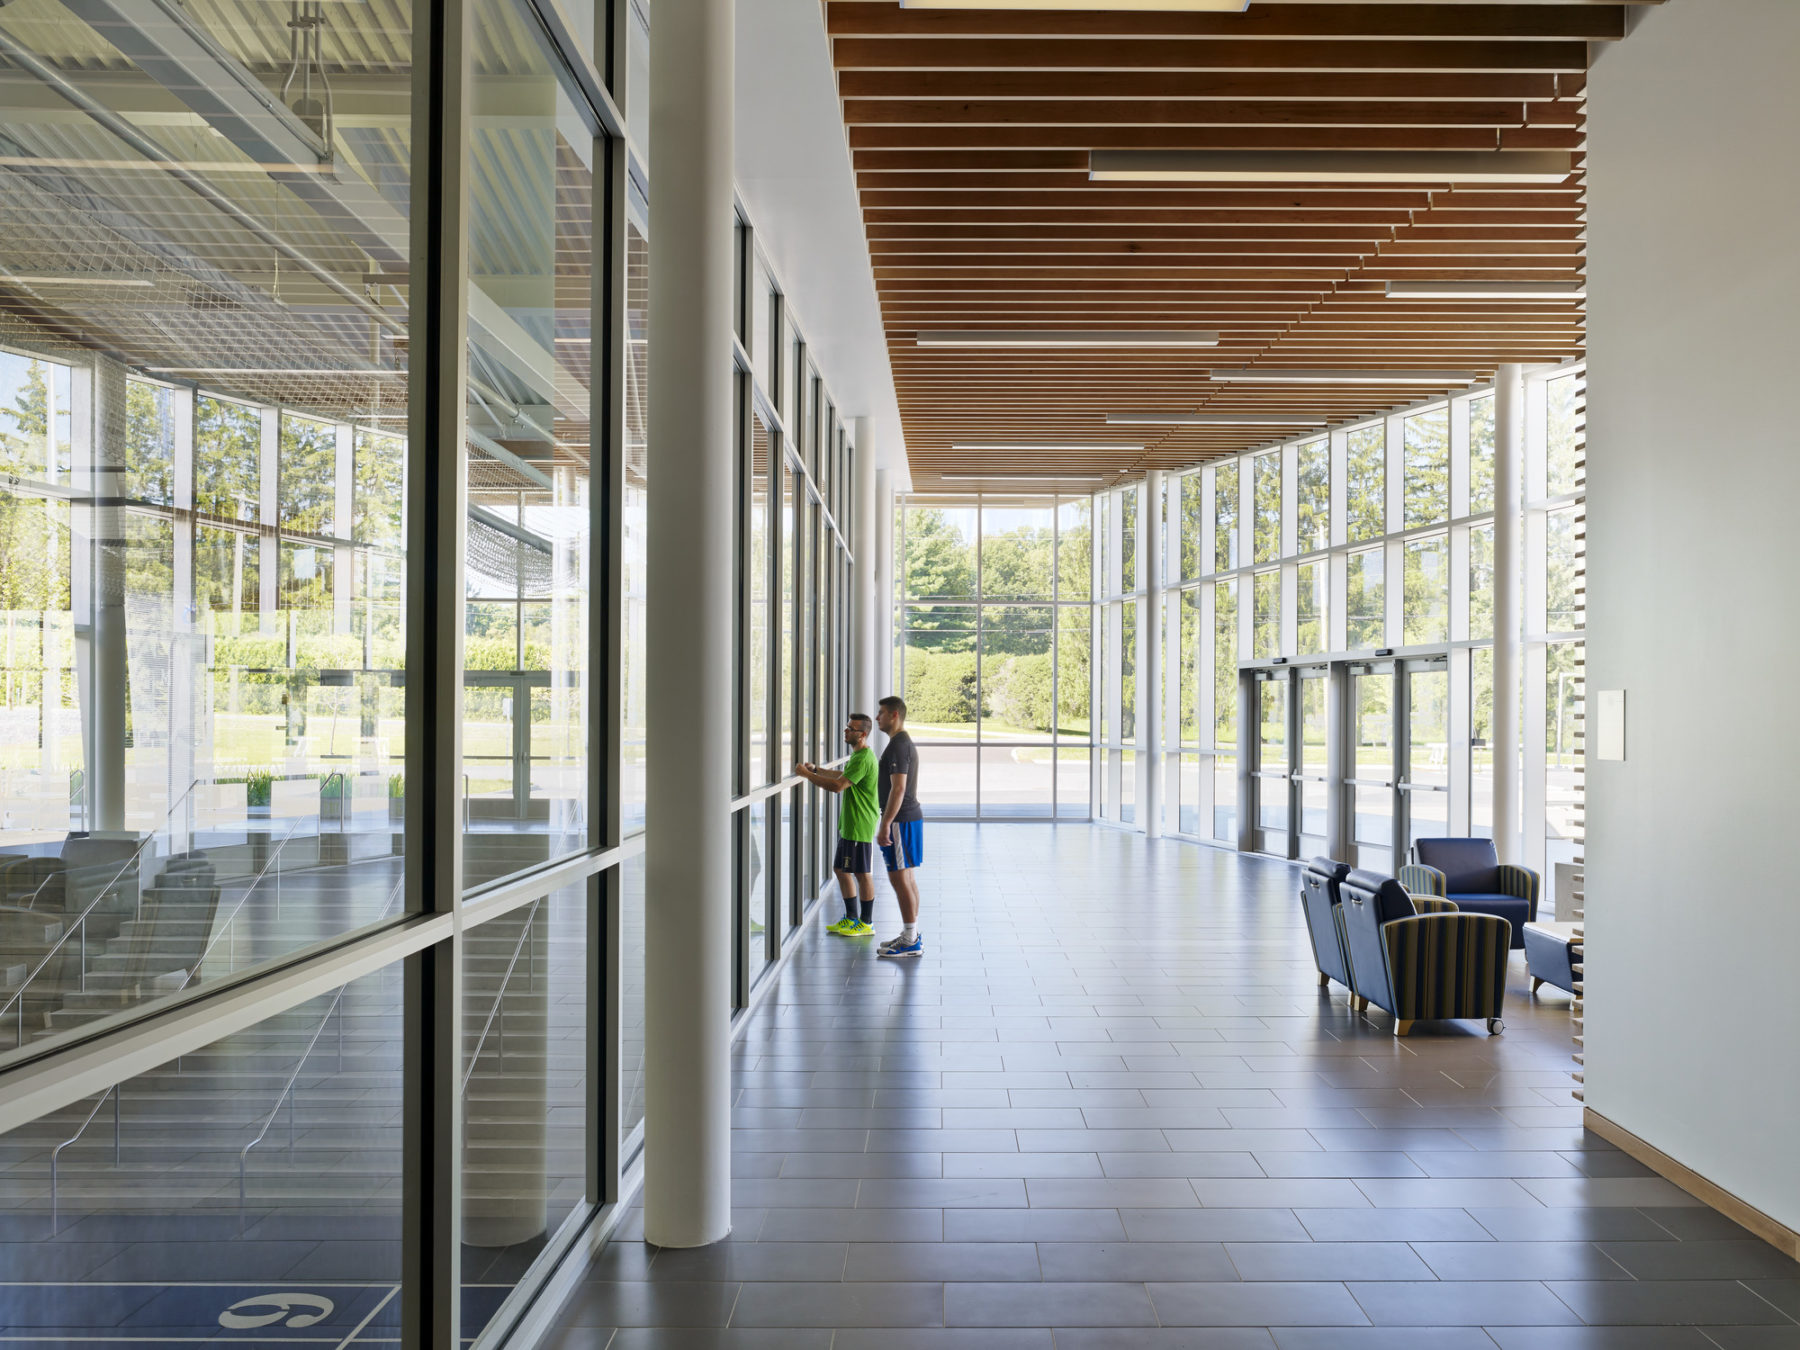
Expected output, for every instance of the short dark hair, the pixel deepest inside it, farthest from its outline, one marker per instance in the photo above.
(863, 720)
(895, 704)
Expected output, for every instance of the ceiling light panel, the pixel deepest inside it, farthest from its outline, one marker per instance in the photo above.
(1328, 166)
(1188, 419)
(1431, 377)
(1078, 447)
(1124, 6)
(1486, 290)
(1073, 338)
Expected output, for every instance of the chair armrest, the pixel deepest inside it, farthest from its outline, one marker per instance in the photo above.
(1432, 904)
(1418, 879)
(1447, 965)
(1522, 883)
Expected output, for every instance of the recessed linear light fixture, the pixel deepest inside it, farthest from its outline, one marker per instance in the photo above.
(1017, 478)
(1096, 447)
(1187, 419)
(1432, 377)
(1328, 166)
(1202, 6)
(1486, 290)
(1061, 337)
(90, 280)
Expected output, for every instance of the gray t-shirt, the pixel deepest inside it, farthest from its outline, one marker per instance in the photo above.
(900, 757)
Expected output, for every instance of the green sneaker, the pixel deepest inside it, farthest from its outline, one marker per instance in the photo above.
(842, 927)
(856, 928)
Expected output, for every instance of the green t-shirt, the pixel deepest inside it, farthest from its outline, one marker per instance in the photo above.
(860, 812)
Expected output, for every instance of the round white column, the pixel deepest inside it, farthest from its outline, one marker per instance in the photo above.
(1509, 442)
(689, 626)
(1149, 655)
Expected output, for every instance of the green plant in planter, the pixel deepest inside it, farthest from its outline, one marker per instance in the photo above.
(259, 786)
(333, 787)
(396, 786)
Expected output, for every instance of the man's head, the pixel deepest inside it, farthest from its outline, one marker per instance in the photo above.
(857, 729)
(890, 715)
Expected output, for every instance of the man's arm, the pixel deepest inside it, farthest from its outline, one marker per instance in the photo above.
(829, 779)
(896, 796)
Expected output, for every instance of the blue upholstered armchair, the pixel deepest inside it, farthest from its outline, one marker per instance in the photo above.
(1319, 903)
(1469, 872)
(1421, 966)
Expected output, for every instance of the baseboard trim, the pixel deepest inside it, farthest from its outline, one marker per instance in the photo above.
(1772, 1231)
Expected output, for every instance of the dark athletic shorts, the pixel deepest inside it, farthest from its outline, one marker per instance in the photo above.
(908, 848)
(853, 857)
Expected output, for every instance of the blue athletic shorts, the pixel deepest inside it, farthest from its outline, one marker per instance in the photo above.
(908, 848)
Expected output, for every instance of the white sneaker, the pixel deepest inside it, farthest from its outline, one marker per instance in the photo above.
(897, 940)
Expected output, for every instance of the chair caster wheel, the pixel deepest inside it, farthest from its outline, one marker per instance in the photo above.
(1495, 1026)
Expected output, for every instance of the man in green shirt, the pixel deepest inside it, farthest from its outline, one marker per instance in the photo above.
(858, 816)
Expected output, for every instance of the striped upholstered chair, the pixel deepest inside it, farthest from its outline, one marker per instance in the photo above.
(1469, 872)
(1421, 966)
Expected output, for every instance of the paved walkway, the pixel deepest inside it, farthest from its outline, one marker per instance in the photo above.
(1112, 1110)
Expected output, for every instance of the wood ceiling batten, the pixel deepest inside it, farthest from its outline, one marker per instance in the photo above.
(970, 131)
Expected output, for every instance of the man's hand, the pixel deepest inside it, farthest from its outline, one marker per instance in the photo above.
(803, 768)
(884, 836)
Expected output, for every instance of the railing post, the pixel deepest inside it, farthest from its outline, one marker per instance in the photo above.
(118, 1151)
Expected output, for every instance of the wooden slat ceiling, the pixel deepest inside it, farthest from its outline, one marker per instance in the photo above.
(970, 132)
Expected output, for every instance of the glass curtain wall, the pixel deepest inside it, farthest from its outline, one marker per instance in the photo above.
(993, 654)
(1375, 542)
(321, 694)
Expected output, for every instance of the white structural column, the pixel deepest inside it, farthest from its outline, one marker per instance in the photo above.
(1509, 441)
(107, 670)
(1149, 655)
(865, 608)
(689, 627)
(882, 671)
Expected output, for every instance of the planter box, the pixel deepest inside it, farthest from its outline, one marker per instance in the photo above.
(396, 809)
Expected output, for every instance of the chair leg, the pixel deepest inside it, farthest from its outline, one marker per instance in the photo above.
(1362, 1004)
(1536, 984)
(1403, 1026)
(1324, 979)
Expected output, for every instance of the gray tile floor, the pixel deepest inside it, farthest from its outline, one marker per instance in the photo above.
(1111, 1108)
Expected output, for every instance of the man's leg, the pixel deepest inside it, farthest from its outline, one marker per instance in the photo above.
(906, 890)
(865, 890)
(847, 893)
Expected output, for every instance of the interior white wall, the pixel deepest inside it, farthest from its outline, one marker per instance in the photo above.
(795, 178)
(1693, 978)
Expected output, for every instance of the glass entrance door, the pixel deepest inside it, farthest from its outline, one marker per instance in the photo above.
(1370, 787)
(1425, 777)
(1272, 780)
(1312, 784)
(500, 709)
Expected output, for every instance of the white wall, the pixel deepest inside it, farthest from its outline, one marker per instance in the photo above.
(1693, 981)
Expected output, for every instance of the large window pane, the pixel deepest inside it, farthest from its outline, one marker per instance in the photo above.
(636, 508)
(1560, 611)
(524, 1098)
(265, 1164)
(1427, 468)
(198, 680)
(1074, 675)
(1017, 674)
(1017, 557)
(1128, 550)
(1312, 587)
(1366, 611)
(631, 995)
(940, 553)
(1187, 666)
(1481, 582)
(1267, 484)
(1365, 483)
(1225, 798)
(1225, 664)
(1563, 687)
(758, 641)
(1481, 742)
(1312, 497)
(1075, 561)
(1268, 615)
(1481, 454)
(1427, 582)
(1194, 526)
(1563, 406)
(1128, 673)
(1225, 516)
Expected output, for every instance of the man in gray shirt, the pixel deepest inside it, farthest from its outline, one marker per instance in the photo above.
(901, 833)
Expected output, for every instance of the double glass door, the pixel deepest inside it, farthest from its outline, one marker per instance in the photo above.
(1290, 777)
(1350, 759)
(1397, 787)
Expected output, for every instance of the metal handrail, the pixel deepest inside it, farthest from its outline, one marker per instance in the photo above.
(294, 1077)
(243, 899)
(80, 924)
(500, 994)
(56, 1153)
